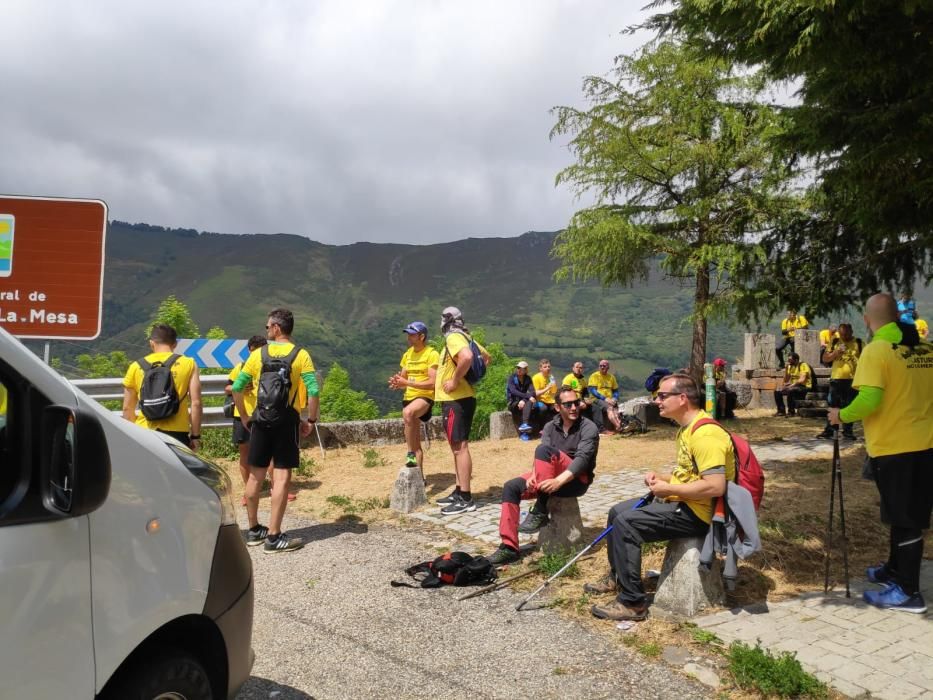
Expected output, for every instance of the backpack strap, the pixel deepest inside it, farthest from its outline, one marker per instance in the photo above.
(264, 357)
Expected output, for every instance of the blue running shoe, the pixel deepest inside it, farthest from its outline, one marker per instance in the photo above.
(894, 598)
(880, 574)
(524, 428)
(524, 437)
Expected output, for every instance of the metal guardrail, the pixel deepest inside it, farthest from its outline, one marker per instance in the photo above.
(111, 389)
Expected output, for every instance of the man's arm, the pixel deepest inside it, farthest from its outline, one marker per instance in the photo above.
(194, 392)
(863, 405)
(707, 486)
(130, 399)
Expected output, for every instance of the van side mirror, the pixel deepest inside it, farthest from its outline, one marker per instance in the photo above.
(74, 464)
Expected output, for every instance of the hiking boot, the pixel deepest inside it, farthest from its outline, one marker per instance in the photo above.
(879, 574)
(256, 535)
(780, 413)
(282, 543)
(607, 584)
(503, 555)
(449, 498)
(848, 436)
(411, 460)
(533, 522)
(524, 428)
(825, 435)
(894, 598)
(617, 610)
(524, 437)
(461, 505)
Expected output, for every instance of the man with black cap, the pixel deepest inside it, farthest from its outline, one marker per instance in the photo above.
(520, 395)
(458, 407)
(416, 377)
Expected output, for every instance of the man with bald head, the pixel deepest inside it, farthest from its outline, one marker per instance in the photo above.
(894, 379)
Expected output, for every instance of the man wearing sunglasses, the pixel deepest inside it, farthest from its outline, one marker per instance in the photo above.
(563, 466)
(682, 502)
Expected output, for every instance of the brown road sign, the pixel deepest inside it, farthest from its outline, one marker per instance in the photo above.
(51, 266)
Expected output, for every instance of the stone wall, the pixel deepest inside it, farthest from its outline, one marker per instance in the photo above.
(384, 431)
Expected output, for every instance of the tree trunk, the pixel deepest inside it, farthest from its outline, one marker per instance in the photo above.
(700, 300)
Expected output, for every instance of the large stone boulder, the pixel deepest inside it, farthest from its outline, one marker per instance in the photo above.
(807, 345)
(759, 352)
(408, 492)
(501, 426)
(743, 392)
(564, 530)
(685, 588)
(385, 431)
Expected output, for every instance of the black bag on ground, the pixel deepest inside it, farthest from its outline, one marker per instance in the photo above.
(452, 568)
(158, 397)
(274, 390)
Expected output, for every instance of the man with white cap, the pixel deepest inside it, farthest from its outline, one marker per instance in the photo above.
(458, 406)
(520, 395)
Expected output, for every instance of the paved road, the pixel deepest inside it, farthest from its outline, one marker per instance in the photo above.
(328, 625)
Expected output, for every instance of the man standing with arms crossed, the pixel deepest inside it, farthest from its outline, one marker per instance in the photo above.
(894, 379)
(277, 443)
(458, 407)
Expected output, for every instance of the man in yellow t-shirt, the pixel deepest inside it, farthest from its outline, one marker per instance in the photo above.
(894, 379)
(240, 433)
(416, 376)
(789, 327)
(545, 385)
(576, 381)
(682, 504)
(604, 389)
(185, 424)
(458, 406)
(798, 380)
(276, 442)
(827, 335)
(923, 329)
(842, 355)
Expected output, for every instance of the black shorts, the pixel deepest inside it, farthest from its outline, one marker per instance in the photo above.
(905, 482)
(458, 418)
(278, 445)
(426, 416)
(240, 434)
(178, 435)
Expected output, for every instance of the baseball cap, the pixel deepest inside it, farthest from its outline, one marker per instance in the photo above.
(451, 313)
(416, 327)
(522, 364)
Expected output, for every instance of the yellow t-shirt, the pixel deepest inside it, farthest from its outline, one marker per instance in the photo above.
(416, 366)
(605, 384)
(301, 365)
(249, 392)
(182, 370)
(904, 420)
(710, 447)
(456, 341)
(922, 328)
(539, 381)
(3, 400)
(790, 326)
(826, 337)
(793, 373)
(844, 365)
(575, 382)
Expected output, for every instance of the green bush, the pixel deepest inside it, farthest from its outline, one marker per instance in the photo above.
(550, 564)
(782, 675)
(217, 443)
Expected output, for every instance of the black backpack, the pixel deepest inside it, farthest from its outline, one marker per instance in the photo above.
(158, 397)
(453, 568)
(274, 390)
(477, 366)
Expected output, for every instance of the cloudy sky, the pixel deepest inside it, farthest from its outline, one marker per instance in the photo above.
(410, 121)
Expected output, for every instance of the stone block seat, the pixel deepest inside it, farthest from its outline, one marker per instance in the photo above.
(685, 588)
(564, 532)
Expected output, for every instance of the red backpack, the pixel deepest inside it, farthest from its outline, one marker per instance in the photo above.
(748, 472)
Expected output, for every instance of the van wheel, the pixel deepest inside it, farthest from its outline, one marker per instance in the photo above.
(174, 675)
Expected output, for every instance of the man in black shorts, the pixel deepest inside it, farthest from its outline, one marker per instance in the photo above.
(276, 441)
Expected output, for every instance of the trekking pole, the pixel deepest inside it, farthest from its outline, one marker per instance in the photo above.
(642, 501)
(836, 475)
(497, 585)
(320, 443)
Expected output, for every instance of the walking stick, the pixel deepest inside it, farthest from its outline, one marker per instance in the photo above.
(320, 443)
(642, 501)
(496, 586)
(836, 475)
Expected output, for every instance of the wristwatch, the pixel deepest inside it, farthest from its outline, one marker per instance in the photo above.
(194, 437)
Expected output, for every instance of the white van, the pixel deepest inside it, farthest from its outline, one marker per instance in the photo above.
(123, 573)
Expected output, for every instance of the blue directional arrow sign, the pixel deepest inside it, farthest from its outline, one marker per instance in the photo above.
(213, 353)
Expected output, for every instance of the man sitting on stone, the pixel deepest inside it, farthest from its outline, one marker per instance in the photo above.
(682, 504)
(798, 380)
(604, 389)
(726, 399)
(789, 327)
(563, 466)
(520, 394)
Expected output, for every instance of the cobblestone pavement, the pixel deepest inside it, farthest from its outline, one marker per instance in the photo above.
(856, 648)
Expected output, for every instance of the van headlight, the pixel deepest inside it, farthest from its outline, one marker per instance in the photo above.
(212, 475)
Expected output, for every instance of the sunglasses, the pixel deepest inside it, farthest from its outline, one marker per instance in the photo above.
(604, 366)
(569, 404)
(666, 394)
